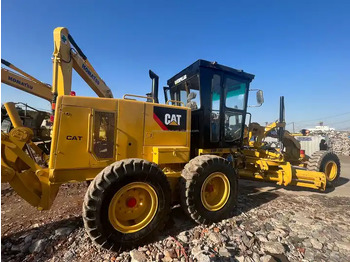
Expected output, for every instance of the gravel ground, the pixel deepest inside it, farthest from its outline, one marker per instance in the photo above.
(268, 226)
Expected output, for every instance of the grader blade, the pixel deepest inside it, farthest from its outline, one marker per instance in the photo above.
(282, 173)
(311, 179)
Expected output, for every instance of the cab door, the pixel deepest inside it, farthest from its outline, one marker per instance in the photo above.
(227, 109)
(234, 109)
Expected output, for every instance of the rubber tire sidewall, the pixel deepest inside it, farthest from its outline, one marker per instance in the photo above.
(143, 233)
(326, 159)
(207, 216)
(319, 160)
(116, 239)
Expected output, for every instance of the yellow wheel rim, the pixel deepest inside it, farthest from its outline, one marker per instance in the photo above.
(331, 170)
(215, 191)
(133, 207)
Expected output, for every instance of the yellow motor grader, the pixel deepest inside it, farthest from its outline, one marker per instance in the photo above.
(143, 156)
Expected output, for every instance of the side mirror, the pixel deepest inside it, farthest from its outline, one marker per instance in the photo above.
(260, 97)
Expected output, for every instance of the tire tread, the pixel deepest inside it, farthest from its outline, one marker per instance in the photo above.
(109, 176)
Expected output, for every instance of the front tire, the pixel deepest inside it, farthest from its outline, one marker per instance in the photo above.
(208, 189)
(126, 204)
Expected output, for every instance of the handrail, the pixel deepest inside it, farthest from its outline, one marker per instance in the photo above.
(146, 97)
(175, 101)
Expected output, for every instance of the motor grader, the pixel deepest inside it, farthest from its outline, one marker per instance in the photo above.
(142, 156)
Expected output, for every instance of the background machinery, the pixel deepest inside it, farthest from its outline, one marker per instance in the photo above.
(37, 120)
(143, 156)
(24, 81)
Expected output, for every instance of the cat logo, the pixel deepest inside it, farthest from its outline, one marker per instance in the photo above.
(170, 119)
(74, 138)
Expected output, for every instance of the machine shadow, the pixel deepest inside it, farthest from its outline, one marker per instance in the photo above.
(249, 197)
(42, 232)
(75, 222)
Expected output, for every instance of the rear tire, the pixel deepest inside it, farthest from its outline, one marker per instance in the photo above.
(326, 162)
(126, 204)
(208, 189)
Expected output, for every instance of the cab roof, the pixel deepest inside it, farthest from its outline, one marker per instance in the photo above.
(195, 68)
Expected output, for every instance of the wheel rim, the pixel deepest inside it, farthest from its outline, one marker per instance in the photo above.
(133, 207)
(215, 191)
(331, 170)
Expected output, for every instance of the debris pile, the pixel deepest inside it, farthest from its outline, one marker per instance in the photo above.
(339, 142)
(268, 226)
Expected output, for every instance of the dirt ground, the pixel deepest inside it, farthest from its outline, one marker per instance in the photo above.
(19, 220)
(17, 215)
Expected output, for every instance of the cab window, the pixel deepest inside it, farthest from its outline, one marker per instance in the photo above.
(234, 93)
(183, 97)
(188, 92)
(103, 138)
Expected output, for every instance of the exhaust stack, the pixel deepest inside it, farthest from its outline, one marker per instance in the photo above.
(155, 84)
(282, 119)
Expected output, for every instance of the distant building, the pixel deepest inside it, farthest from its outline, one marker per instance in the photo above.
(321, 129)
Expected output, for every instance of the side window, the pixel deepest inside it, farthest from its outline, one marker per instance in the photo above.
(215, 109)
(189, 92)
(234, 93)
(194, 100)
(183, 97)
(104, 134)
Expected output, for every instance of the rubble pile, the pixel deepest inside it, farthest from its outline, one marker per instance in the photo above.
(339, 142)
(267, 227)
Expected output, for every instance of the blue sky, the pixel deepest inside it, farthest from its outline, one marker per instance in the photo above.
(299, 49)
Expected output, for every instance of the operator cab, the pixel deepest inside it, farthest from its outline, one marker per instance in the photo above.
(217, 96)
